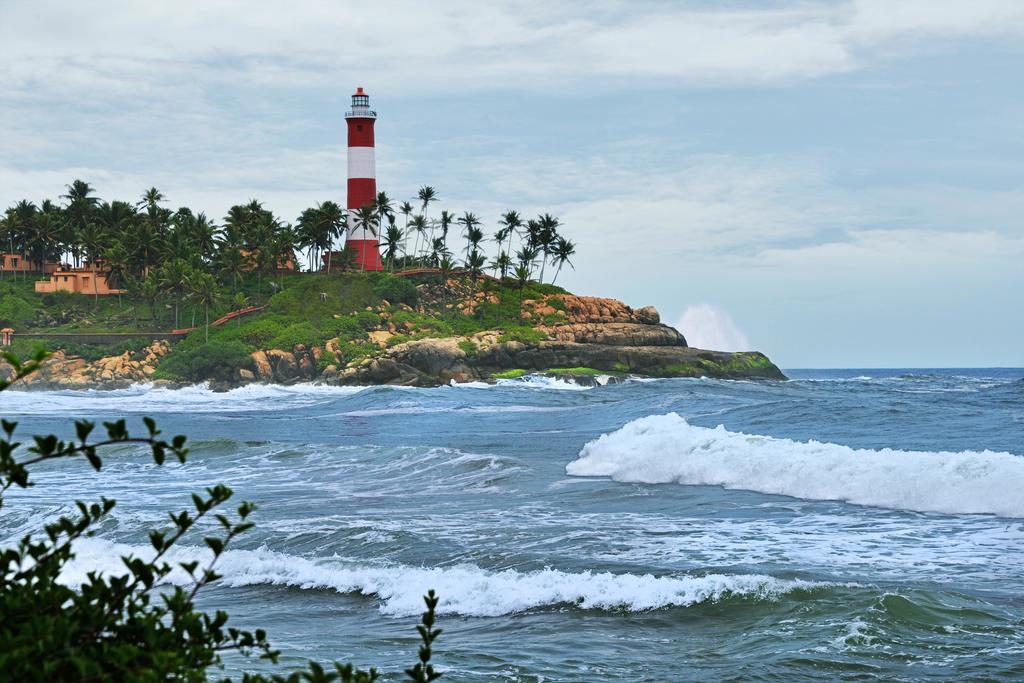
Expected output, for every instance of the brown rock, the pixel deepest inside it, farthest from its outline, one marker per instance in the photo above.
(261, 366)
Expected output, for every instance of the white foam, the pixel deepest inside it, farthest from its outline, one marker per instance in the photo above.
(665, 448)
(464, 589)
(146, 397)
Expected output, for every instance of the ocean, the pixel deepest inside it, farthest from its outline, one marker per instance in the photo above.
(846, 524)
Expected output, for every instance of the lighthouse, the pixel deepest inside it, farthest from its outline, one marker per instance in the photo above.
(362, 181)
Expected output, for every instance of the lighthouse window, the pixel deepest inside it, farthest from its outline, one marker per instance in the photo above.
(359, 126)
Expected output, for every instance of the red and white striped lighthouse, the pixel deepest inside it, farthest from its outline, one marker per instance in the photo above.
(362, 180)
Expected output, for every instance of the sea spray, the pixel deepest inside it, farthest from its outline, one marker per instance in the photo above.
(662, 449)
(709, 327)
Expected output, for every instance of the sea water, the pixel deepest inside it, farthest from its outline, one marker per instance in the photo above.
(843, 524)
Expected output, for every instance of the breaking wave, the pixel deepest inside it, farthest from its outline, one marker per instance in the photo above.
(662, 449)
(464, 589)
(197, 398)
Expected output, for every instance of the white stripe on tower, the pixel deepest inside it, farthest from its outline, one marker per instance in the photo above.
(361, 163)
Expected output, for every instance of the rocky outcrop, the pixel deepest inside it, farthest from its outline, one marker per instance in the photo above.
(597, 335)
(622, 345)
(62, 371)
(621, 334)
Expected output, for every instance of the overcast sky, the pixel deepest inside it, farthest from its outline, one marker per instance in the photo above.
(843, 180)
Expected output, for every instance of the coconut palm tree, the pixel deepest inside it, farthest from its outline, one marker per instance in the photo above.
(526, 257)
(474, 264)
(406, 209)
(174, 277)
(79, 210)
(426, 195)
(93, 240)
(502, 264)
(116, 262)
(511, 224)
(331, 221)
(366, 218)
(438, 248)
(239, 301)
(150, 289)
(392, 244)
(473, 234)
(564, 250)
(204, 290)
(547, 235)
(522, 275)
(419, 224)
(151, 199)
(444, 269)
(384, 206)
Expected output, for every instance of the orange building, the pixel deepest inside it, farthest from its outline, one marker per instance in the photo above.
(19, 263)
(81, 280)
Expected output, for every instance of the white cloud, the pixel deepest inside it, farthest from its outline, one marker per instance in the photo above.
(128, 48)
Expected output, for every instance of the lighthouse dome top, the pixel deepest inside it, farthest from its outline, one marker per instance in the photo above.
(360, 106)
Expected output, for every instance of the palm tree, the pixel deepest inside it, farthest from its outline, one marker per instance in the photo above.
(438, 249)
(384, 206)
(419, 224)
(151, 199)
(331, 221)
(444, 268)
(174, 277)
(93, 240)
(526, 257)
(547, 235)
(239, 301)
(150, 291)
(81, 206)
(469, 222)
(307, 231)
(366, 218)
(426, 195)
(117, 268)
(564, 249)
(231, 262)
(204, 291)
(511, 223)
(406, 209)
(522, 275)
(474, 264)
(392, 244)
(502, 264)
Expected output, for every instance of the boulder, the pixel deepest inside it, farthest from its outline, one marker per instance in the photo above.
(283, 363)
(648, 315)
(261, 367)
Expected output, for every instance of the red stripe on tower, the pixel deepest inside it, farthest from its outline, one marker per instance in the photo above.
(362, 180)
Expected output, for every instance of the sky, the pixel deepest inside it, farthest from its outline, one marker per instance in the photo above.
(834, 183)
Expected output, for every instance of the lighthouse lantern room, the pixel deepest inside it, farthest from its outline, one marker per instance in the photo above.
(362, 181)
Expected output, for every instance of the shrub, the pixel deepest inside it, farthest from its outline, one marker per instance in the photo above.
(523, 334)
(15, 311)
(397, 290)
(468, 347)
(296, 333)
(258, 333)
(215, 360)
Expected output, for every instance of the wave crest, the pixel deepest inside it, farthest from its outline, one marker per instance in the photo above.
(662, 449)
(464, 589)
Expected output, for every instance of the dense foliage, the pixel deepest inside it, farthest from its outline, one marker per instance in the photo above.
(172, 256)
(131, 626)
